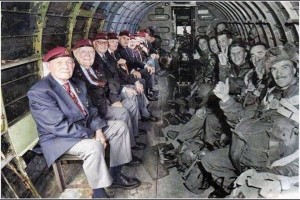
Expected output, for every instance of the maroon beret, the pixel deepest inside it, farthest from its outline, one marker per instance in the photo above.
(124, 32)
(100, 36)
(141, 34)
(112, 36)
(56, 53)
(132, 37)
(83, 43)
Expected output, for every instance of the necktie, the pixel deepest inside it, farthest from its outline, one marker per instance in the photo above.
(113, 55)
(104, 58)
(74, 98)
(100, 82)
(130, 53)
(92, 76)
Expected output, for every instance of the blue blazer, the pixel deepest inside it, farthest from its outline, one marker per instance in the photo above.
(60, 122)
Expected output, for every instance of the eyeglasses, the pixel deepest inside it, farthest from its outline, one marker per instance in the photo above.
(101, 42)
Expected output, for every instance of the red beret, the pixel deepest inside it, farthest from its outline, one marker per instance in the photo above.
(124, 32)
(56, 53)
(83, 43)
(141, 34)
(112, 36)
(100, 36)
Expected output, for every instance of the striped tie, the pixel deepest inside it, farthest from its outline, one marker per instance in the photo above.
(74, 98)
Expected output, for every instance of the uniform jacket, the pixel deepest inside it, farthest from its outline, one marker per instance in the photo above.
(250, 146)
(60, 122)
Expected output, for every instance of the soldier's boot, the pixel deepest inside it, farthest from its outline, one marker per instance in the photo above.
(219, 191)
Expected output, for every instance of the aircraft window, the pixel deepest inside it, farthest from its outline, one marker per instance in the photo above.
(16, 82)
(59, 8)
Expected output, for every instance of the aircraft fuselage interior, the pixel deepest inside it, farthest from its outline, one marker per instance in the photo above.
(150, 99)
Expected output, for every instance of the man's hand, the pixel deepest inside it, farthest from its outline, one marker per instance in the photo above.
(136, 74)
(222, 58)
(117, 104)
(99, 136)
(153, 55)
(222, 90)
(121, 61)
(150, 69)
(130, 92)
(139, 87)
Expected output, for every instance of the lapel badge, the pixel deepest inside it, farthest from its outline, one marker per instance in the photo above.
(77, 90)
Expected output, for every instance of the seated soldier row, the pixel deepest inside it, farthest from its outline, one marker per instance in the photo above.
(91, 100)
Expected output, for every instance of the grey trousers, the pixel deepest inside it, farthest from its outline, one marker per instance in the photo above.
(92, 153)
(121, 113)
(132, 106)
(142, 100)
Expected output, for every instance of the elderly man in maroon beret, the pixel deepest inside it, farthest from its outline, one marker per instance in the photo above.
(135, 66)
(92, 73)
(68, 124)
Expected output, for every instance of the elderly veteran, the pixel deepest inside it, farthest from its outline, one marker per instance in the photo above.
(68, 124)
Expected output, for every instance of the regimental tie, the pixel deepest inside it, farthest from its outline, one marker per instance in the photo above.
(74, 98)
(113, 55)
(92, 76)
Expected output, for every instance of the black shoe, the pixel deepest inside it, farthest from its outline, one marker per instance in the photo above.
(102, 195)
(142, 132)
(218, 194)
(170, 157)
(134, 162)
(166, 147)
(155, 92)
(152, 98)
(139, 146)
(170, 164)
(172, 134)
(125, 182)
(151, 118)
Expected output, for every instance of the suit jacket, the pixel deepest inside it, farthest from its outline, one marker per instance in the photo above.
(127, 54)
(60, 122)
(96, 93)
(111, 75)
(124, 78)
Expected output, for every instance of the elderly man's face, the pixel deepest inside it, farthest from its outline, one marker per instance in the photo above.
(61, 68)
(283, 73)
(113, 44)
(101, 45)
(214, 46)
(238, 55)
(257, 54)
(124, 40)
(132, 44)
(203, 45)
(85, 56)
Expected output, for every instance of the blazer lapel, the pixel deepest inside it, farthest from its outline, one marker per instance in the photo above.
(61, 92)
